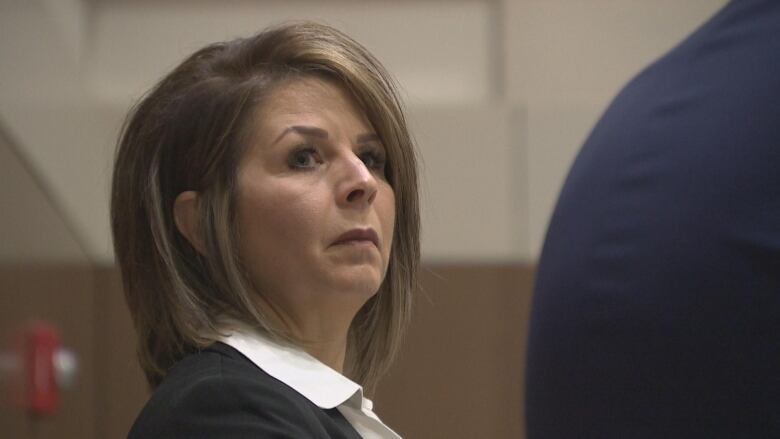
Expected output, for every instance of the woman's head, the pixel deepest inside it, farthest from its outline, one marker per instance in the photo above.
(225, 160)
(315, 212)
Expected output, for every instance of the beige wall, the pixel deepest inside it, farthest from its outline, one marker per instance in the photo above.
(32, 228)
(501, 93)
(566, 60)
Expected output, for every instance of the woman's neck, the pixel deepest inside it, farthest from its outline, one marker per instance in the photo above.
(322, 335)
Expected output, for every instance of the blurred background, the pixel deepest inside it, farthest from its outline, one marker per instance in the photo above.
(500, 94)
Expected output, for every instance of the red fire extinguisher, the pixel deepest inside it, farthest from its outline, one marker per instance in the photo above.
(41, 367)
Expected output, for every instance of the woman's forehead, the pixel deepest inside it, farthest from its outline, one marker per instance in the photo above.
(309, 101)
(305, 94)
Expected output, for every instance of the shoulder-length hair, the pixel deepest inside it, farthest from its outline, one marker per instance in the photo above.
(188, 133)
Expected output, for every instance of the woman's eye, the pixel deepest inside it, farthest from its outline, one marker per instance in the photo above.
(374, 160)
(303, 158)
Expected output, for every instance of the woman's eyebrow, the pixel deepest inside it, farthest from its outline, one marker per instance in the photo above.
(368, 137)
(303, 130)
(311, 131)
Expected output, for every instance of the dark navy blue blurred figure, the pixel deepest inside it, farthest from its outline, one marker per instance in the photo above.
(657, 304)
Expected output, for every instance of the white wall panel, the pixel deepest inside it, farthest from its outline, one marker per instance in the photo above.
(566, 60)
(472, 165)
(31, 227)
(71, 146)
(564, 50)
(438, 50)
(43, 107)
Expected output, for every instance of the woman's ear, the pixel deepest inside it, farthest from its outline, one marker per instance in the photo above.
(187, 218)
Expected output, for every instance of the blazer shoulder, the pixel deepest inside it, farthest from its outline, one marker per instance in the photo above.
(220, 393)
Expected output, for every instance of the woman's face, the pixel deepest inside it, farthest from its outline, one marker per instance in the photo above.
(315, 211)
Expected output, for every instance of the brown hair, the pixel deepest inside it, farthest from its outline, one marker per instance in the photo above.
(188, 134)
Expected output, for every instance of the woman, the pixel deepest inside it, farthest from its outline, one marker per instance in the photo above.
(265, 218)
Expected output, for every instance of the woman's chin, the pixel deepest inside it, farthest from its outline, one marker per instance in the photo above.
(361, 280)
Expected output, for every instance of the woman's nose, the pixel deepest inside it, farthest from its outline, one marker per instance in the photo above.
(358, 185)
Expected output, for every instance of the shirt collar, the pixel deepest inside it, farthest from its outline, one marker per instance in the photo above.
(317, 382)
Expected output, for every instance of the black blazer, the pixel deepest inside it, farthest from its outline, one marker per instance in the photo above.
(219, 393)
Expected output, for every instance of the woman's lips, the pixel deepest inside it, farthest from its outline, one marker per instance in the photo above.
(358, 236)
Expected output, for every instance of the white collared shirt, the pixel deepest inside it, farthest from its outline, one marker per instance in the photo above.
(318, 383)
